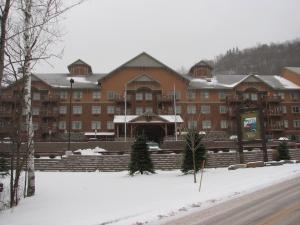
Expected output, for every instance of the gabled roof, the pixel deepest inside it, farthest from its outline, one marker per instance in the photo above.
(62, 80)
(155, 118)
(80, 62)
(202, 63)
(294, 69)
(144, 60)
(231, 81)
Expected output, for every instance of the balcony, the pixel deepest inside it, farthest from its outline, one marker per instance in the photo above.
(9, 99)
(46, 129)
(273, 99)
(121, 99)
(50, 99)
(234, 99)
(48, 113)
(275, 127)
(6, 114)
(274, 112)
(165, 98)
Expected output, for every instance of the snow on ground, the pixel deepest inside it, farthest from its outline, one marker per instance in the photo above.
(88, 151)
(116, 198)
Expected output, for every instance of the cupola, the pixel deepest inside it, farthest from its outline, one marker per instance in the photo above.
(201, 70)
(79, 68)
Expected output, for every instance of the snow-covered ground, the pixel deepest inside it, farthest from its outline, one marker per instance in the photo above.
(116, 198)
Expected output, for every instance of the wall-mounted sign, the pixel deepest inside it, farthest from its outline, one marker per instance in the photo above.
(250, 126)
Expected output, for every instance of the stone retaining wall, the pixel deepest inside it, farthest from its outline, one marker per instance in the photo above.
(160, 161)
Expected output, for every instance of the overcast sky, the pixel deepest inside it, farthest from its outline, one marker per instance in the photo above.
(107, 33)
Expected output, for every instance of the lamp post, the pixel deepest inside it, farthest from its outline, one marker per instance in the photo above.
(70, 113)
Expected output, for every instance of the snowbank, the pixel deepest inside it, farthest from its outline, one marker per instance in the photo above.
(88, 151)
(116, 198)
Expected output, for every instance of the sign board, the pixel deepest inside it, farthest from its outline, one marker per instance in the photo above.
(250, 126)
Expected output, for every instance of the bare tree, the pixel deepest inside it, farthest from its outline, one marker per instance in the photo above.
(33, 29)
(5, 8)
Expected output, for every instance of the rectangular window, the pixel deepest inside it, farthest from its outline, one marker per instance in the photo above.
(77, 95)
(246, 96)
(96, 125)
(139, 96)
(111, 95)
(178, 109)
(191, 109)
(77, 109)
(295, 109)
(139, 110)
(205, 95)
(110, 109)
(286, 124)
(296, 123)
(148, 96)
(35, 126)
(149, 109)
(222, 95)
(62, 125)
(192, 124)
(76, 125)
(223, 109)
(253, 96)
(281, 95)
(96, 95)
(110, 125)
(35, 111)
(294, 96)
(63, 95)
(63, 109)
(205, 109)
(206, 124)
(36, 96)
(224, 124)
(96, 110)
(191, 95)
(283, 109)
(177, 95)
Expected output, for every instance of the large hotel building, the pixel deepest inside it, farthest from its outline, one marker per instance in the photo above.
(138, 97)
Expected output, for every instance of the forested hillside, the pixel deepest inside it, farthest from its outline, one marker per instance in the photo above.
(262, 59)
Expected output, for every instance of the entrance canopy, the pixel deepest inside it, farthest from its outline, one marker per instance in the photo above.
(148, 118)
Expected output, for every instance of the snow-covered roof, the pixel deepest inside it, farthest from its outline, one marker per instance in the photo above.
(62, 80)
(294, 69)
(230, 81)
(131, 118)
(99, 133)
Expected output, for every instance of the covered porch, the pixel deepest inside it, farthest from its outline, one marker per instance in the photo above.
(154, 127)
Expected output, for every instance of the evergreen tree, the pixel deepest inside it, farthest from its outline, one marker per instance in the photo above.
(283, 151)
(193, 147)
(140, 160)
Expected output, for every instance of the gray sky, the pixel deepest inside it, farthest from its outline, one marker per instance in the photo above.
(107, 33)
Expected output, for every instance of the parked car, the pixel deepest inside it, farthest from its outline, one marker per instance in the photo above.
(153, 146)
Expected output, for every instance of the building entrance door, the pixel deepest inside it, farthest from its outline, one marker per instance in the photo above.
(152, 132)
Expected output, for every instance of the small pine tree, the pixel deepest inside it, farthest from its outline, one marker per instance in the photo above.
(193, 140)
(140, 160)
(283, 151)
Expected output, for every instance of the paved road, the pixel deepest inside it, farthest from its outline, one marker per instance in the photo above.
(275, 205)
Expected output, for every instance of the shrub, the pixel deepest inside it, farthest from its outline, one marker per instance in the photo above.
(37, 156)
(51, 156)
(283, 151)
